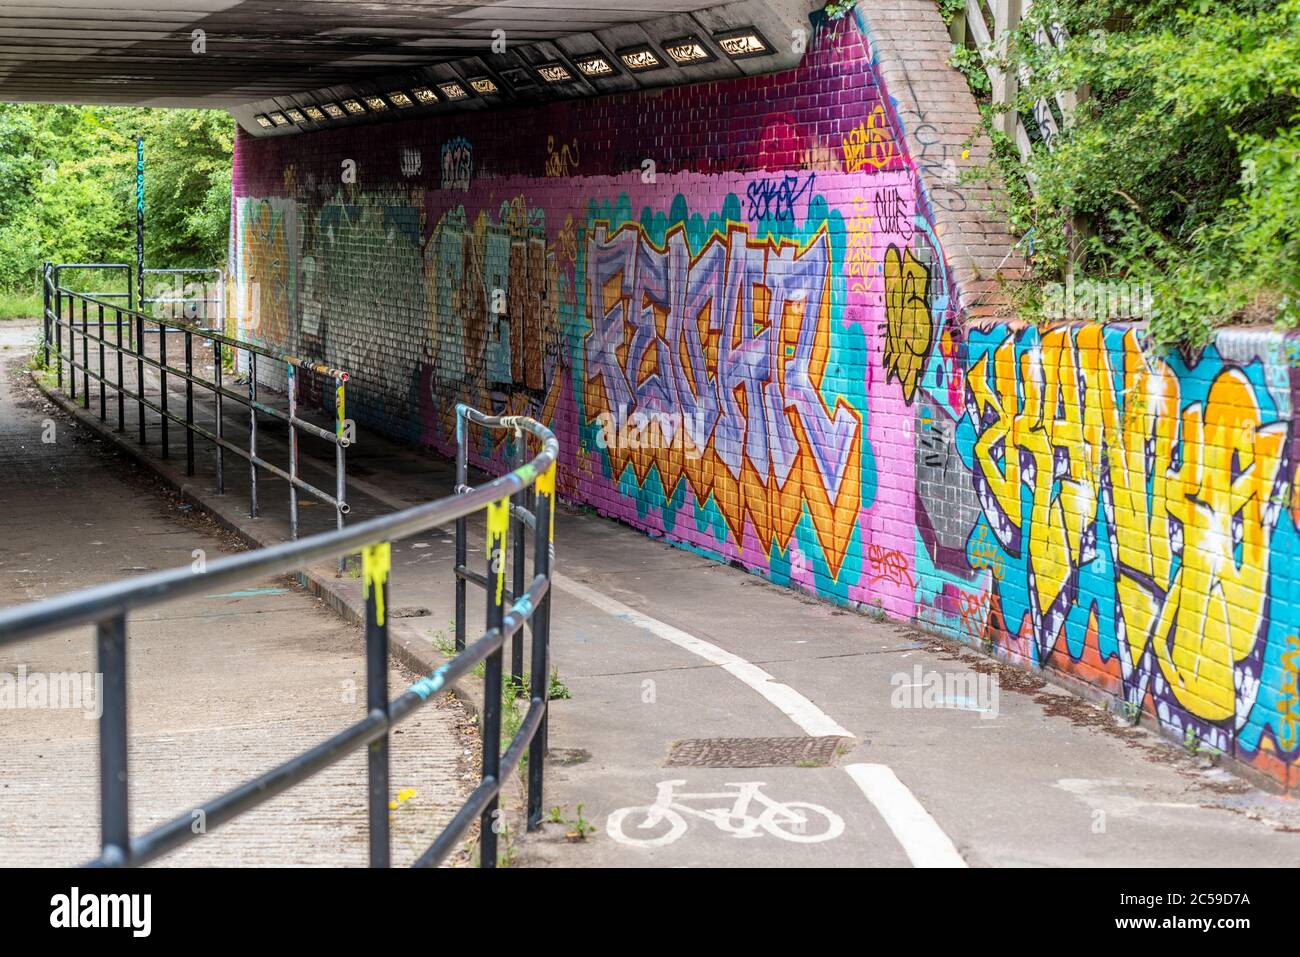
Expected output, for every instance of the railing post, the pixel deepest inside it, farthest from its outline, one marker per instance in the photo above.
(376, 560)
(85, 355)
(139, 374)
(544, 516)
(72, 348)
(498, 526)
(189, 403)
(517, 570)
(121, 386)
(58, 326)
(45, 310)
(218, 358)
(103, 372)
(115, 829)
(252, 434)
(162, 378)
(462, 547)
(340, 462)
(293, 451)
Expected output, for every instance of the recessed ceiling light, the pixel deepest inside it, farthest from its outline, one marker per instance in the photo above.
(594, 64)
(554, 72)
(313, 113)
(295, 115)
(376, 103)
(519, 79)
(279, 119)
(688, 50)
(263, 121)
(354, 107)
(424, 94)
(453, 90)
(741, 44)
(638, 59)
(400, 100)
(483, 85)
(333, 111)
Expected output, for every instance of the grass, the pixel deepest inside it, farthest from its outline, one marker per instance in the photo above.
(557, 689)
(579, 828)
(20, 304)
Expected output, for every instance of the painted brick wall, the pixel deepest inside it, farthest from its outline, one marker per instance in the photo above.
(730, 303)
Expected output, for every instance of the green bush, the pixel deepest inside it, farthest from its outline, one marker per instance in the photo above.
(1184, 160)
(67, 187)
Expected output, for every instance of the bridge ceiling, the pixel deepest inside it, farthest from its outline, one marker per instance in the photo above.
(111, 51)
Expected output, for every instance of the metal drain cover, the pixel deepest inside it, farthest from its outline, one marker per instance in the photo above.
(754, 752)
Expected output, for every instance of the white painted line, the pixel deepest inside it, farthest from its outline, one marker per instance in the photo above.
(922, 838)
(792, 704)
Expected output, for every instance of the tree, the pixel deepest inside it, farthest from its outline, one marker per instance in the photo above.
(1185, 159)
(67, 187)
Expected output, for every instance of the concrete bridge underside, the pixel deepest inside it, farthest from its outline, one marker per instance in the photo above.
(143, 54)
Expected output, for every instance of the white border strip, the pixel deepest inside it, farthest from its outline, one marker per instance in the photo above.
(920, 835)
(792, 704)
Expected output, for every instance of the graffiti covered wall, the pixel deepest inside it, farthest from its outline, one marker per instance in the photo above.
(729, 302)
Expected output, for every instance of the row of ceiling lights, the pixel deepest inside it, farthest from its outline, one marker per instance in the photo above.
(642, 58)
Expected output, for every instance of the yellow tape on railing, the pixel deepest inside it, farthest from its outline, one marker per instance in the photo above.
(546, 486)
(338, 404)
(498, 523)
(376, 562)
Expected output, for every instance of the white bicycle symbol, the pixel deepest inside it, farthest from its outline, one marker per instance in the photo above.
(796, 821)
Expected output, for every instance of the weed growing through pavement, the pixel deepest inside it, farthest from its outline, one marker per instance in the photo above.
(579, 828)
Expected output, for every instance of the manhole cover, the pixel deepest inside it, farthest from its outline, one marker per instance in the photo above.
(800, 752)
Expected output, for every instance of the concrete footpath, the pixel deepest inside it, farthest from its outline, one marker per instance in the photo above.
(221, 687)
(714, 719)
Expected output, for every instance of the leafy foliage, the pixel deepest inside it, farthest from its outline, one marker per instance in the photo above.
(67, 187)
(1183, 159)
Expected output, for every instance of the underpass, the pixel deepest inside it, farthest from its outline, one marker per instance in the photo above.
(917, 614)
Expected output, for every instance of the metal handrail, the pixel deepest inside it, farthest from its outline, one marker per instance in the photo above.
(107, 607)
(55, 324)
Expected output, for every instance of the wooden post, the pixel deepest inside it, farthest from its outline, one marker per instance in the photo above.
(957, 28)
(1006, 18)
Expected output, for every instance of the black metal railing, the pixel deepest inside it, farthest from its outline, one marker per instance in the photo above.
(107, 607)
(97, 316)
(105, 270)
